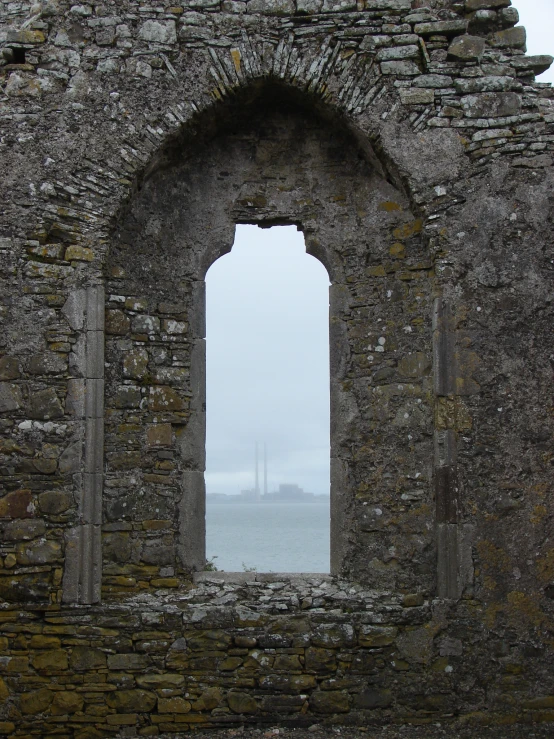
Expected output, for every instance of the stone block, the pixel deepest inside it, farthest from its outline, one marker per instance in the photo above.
(10, 397)
(74, 309)
(289, 684)
(94, 445)
(271, 7)
(86, 658)
(158, 32)
(208, 700)
(528, 64)
(377, 636)
(128, 396)
(333, 636)
(489, 83)
(95, 309)
(130, 662)
(9, 368)
(159, 434)
(372, 698)
(79, 254)
(145, 324)
(441, 28)
(416, 645)
(433, 81)
(170, 680)
(173, 327)
(17, 504)
(132, 701)
(330, 701)
(117, 323)
(472, 5)
(320, 660)
(174, 705)
(50, 660)
(157, 553)
(70, 458)
(416, 364)
(387, 5)
(467, 48)
(39, 641)
(164, 398)
(26, 36)
(75, 398)
(402, 68)
(90, 504)
(39, 552)
(511, 38)
(491, 104)
(94, 398)
(66, 702)
(36, 701)
(242, 703)
(94, 358)
(47, 363)
(410, 96)
(411, 51)
(44, 405)
(116, 547)
(23, 530)
(135, 364)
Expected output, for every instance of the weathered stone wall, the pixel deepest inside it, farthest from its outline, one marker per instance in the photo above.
(296, 651)
(412, 146)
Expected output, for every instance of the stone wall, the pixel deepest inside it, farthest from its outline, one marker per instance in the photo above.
(261, 650)
(411, 144)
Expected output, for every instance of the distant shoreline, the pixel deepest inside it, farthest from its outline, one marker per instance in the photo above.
(234, 499)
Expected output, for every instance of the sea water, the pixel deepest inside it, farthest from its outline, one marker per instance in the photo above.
(268, 537)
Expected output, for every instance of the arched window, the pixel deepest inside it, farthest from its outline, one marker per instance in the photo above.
(267, 379)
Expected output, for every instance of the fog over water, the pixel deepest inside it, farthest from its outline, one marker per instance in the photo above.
(267, 363)
(270, 537)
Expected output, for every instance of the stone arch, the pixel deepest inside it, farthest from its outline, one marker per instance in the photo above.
(165, 242)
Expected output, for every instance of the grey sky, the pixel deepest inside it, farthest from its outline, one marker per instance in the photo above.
(538, 18)
(268, 356)
(267, 343)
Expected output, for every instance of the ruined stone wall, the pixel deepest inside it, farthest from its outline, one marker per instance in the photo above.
(412, 146)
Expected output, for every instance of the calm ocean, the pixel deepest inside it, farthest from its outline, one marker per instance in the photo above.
(272, 537)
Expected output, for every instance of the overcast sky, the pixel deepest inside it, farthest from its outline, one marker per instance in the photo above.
(538, 18)
(267, 344)
(268, 356)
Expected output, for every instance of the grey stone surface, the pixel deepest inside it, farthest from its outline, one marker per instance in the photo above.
(10, 397)
(417, 160)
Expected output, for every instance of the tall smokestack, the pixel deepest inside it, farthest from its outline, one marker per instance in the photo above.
(265, 469)
(257, 485)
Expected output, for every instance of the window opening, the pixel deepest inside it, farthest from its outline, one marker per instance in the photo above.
(267, 393)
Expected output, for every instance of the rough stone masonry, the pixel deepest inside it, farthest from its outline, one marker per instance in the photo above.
(410, 143)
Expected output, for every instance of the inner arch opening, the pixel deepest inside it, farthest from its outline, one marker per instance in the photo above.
(267, 345)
